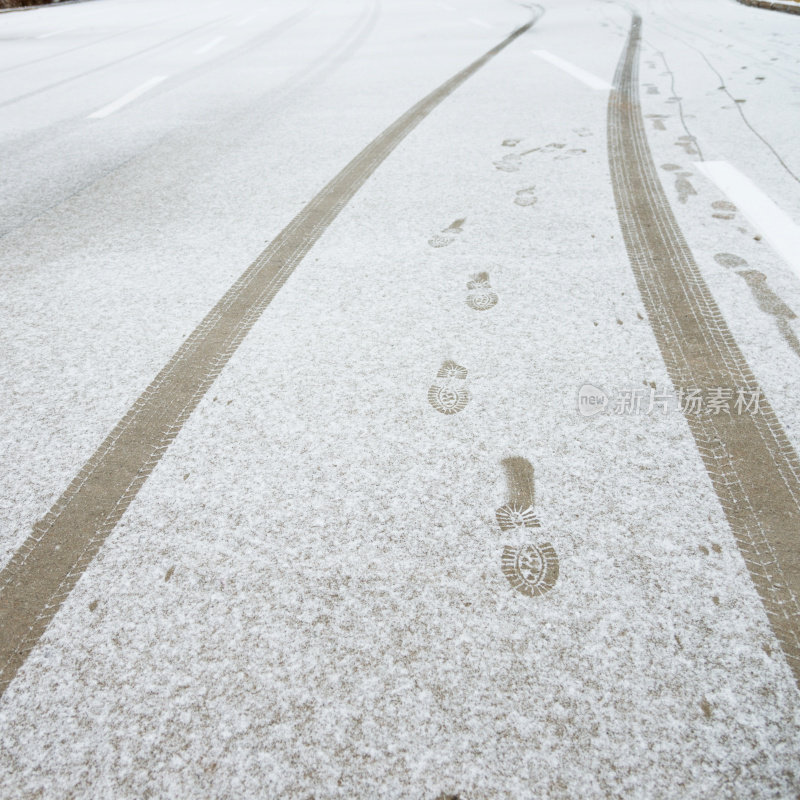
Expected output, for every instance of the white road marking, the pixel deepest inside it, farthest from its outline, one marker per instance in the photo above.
(127, 98)
(480, 22)
(774, 224)
(56, 33)
(209, 46)
(592, 81)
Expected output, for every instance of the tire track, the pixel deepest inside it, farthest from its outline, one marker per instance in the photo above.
(749, 459)
(44, 570)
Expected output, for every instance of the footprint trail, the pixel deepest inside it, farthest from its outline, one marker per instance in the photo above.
(766, 299)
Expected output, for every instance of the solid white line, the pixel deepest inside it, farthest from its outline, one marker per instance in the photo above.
(775, 225)
(127, 98)
(209, 46)
(592, 81)
(56, 33)
(480, 22)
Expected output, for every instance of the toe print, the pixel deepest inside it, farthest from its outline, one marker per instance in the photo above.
(526, 197)
(513, 515)
(480, 296)
(450, 371)
(448, 394)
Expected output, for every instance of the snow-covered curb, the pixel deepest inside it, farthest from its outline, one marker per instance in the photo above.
(774, 5)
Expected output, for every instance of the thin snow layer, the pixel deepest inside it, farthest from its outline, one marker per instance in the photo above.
(306, 597)
(99, 291)
(682, 97)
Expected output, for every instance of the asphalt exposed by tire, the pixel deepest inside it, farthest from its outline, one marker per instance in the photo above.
(749, 459)
(47, 566)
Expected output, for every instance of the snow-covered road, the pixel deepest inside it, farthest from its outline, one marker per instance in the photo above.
(398, 399)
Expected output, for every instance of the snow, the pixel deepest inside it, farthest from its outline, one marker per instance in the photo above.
(306, 598)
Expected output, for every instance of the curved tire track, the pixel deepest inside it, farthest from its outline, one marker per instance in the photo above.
(44, 570)
(749, 459)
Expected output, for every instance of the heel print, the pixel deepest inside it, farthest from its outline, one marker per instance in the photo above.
(449, 394)
(480, 296)
(531, 569)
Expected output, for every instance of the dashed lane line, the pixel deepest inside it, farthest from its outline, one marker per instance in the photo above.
(123, 101)
(124, 32)
(57, 33)
(592, 81)
(101, 67)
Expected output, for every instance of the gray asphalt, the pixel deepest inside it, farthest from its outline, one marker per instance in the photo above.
(398, 400)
